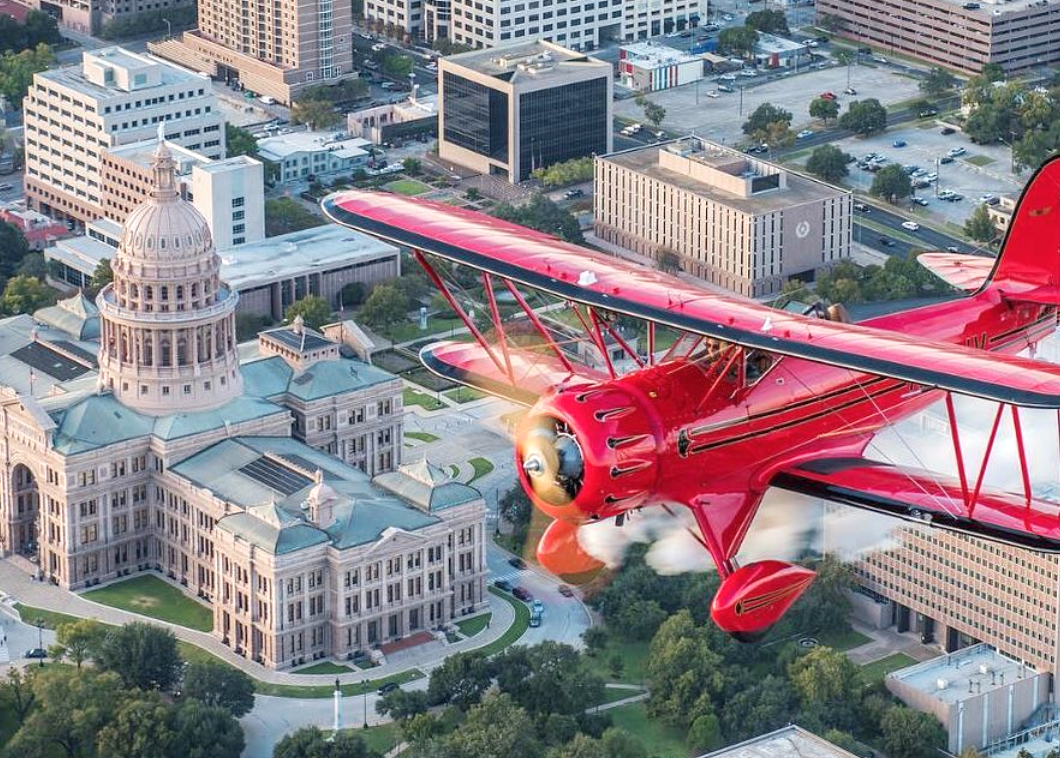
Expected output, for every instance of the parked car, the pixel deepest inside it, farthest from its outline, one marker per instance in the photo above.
(503, 584)
(921, 201)
(911, 225)
(957, 151)
(712, 93)
(886, 241)
(899, 143)
(988, 199)
(537, 606)
(37, 652)
(946, 159)
(928, 112)
(827, 96)
(535, 620)
(861, 207)
(727, 78)
(565, 591)
(573, 193)
(952, 249)
(517, 562)
(523, 594)
(850, 91)
(804, 134)
(725, 88)
(387, 688)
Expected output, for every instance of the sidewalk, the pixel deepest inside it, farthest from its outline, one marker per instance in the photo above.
(20, 588)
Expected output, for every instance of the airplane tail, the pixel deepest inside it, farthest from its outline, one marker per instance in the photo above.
(1028, 266)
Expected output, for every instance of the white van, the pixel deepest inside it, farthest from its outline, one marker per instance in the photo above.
(267, 100)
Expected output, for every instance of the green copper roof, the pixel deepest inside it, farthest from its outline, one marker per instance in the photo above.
(427, 486)
(244, 408)
(266, 378)
(270, 377)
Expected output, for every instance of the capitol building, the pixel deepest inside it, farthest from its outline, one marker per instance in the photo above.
(265, 479)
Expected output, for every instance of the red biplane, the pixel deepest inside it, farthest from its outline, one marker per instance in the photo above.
(747, 397)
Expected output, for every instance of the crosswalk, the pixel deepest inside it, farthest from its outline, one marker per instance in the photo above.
(512, 576)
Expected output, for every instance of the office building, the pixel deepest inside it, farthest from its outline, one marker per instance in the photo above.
(230, 193)
(958, 35)
(734, 220)
(575, 25)
(646, 67)
(304, 157)
(270, 489)
(788, 742)
(978, 695)
(113, 98)
(415, 117)
(39, 230)
(509, 110)
(88, 16)
(274, 49)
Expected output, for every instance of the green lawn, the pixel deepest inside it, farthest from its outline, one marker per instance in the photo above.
(422, 399)
(515, 631)
(979, 160)
(472, 626)
(464, 395)
(408, 187)
(51, 619)
(664, 741)
(422, 436)
(634, 657)
(380, 739)
(481, 466)
(404, 331)
(195, 654)
(612, 695)
(325, 667)
(150, 596)
(847, 640)
(877, 670)
(326, 690)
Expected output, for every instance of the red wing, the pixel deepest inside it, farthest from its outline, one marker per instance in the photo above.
(533, 374)
(574, 273)
(965, 272)
(928, 498)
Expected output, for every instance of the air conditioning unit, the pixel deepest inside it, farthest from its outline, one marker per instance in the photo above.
(984, 668)
(941, 684)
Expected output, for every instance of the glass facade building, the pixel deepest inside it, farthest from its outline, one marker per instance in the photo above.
(561, 123)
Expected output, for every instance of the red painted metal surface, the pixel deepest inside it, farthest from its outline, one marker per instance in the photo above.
(754, 597)
(559, 552)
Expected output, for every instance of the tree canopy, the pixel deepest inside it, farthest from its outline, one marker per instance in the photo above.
(653, 112)
(864, 117)
(285, 214)
(220, 685)
(24, 294)
(737, 40)
(828, 162)
(317, 114)
(543, 215)
(770, 21)
(565, 172)
(313, 309)
(385, 306)
(891, 183)
(17, 70)
(937, 81)
(142, 655)
(764, 118)
(979, 226)
(824, 109)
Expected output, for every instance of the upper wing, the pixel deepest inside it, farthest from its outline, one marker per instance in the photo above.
(574, 273)
(928, 498)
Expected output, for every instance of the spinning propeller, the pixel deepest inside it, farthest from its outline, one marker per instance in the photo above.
(552, 461)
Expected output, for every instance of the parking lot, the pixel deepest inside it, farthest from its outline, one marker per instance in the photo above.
(721, 118)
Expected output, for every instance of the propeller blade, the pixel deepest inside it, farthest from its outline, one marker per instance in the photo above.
(559, 551)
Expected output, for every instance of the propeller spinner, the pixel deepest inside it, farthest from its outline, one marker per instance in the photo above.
(552, 460)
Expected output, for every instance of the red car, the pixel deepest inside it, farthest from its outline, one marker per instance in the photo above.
(827, 96)
(523, 594)
(566, 591)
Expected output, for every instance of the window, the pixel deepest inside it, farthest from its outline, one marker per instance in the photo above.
(237, 202)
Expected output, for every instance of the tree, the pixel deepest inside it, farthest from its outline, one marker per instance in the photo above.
(33, 264)
(766, 705)
(566, 172)
(353, 294)
(737, 40)
(684, 673)
(239, 141)
(824, 109)
(826, 605)
(828, 162)
(205, 731)
(317, 114)
(770, 21)
(864, 117)
(13, 249)
(938, 81)
(832, 22)
(548, 678)
(142, 727)
(891, 183)
(283, 215)
(979, 226)
(17, 70)
(24, 294)
(386, 306)
(543, 215)
(654, 112)
(103, 275)
(992, 72)
(459, 681)
(618, 743)
(846, 741)
(80, 639)
(704, 735)
(829, 688)
(402, 705)
(311, 742)
(905, 733)
(495, 728)
(411, 165)
(313, 309)
(765, 116)
(397, 66)
(249, 324)
(667, 260)
(143, 655)
(16, 691)
(219, 685)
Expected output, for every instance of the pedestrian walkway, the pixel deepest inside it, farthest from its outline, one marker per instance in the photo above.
(17, 586)
(885, 642)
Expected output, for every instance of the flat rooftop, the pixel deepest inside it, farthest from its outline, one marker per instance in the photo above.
(284, 145)
(534, 59)
(800, 189)
(788, 742)
(659, 55)
(219, 167)
(142, 153)
(966, 673)
(72, 76)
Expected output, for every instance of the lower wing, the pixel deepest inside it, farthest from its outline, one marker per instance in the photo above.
(927, 498)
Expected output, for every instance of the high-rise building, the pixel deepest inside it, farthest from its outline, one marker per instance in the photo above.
(114, 97)
(571, 23)
(509, 110)
(272, 491)
(87, 16)
(958, 35)
(732, 219)
(273, 49)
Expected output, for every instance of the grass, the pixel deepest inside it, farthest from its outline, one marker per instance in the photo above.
(408, 187)
(472, 626)
(325, 667)
(665, 741)
(51, 619)
(613, 695)
(454, 471)
(464, 395)
(326, 690)
(422, 436)
(481, 466)
(403, 331)
(841, 641)
(381, 739)
(634, 657)
(195, 654)
(515, 631)
(150, 596)
(422, 399)
(877, 670)
(979, 160)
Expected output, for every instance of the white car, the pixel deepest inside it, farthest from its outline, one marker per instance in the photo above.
(748, 72)
(378, 46)
(726, 18)
(804, 134)
(713, 93)
(956, 151)
(727, 78)
(910, 225)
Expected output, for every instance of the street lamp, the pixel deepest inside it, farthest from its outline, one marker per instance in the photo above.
(39, 623)
(364, 686)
